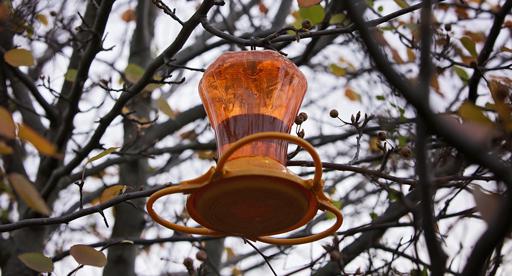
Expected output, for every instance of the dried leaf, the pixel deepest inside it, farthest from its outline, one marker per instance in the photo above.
(230, 253)
(5, 149)
(39, 142)
(486, 203)
(396, 56)
(307, 3)
(352, 95)
(19, 57)
(165, 108)
(87, 255)
(28, 193)
(128, 15)
(411, 56)
(102, 154)
(206, 154)
(36, 261)
(262, 7)
(434, 83)
(7, 127)
(42, 18)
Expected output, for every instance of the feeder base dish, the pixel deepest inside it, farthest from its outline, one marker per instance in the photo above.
(252, 205)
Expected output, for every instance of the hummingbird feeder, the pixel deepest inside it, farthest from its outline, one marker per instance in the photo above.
(251, 99)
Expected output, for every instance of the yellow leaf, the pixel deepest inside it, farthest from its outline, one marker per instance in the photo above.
(87, 255)
(7, 128)
(39, 142)
(128, 15)
(230, 253)
(42, 18)
(352, 95)
(411, 56)
(236, 272)
(470, 112)
(19, 57)
(375, 144)
(5, 149)
(337, 70)
(165, 108)
(111, 192)
(36, 261)
(28, 193)
(102, 154)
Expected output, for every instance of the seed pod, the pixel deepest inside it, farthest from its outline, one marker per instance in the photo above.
(304, 116)
(201, 255)
(306, 24)
(334, 113)
(298, 120)
(405, 152)
(382, 135)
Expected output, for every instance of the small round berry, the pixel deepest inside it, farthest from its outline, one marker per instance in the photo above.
(334, 113)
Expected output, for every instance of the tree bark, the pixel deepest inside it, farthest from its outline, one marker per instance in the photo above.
(129, 217)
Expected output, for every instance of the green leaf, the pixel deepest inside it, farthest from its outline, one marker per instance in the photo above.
(102, 154)
(36, 261)
(87, 255)
(337, 18)
(402, 3)
(70, 75)
(470, 112)
(338, 204)
(380, 97)
(315, 14)
(337, 70)
(469, 44)
(393, 195)
(463, 75)
(373, 215)
(133, 72)
(165, 108)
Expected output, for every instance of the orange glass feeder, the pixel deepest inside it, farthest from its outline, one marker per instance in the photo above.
(251, 99)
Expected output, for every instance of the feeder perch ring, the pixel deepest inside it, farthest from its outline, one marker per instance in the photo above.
(222, 179)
